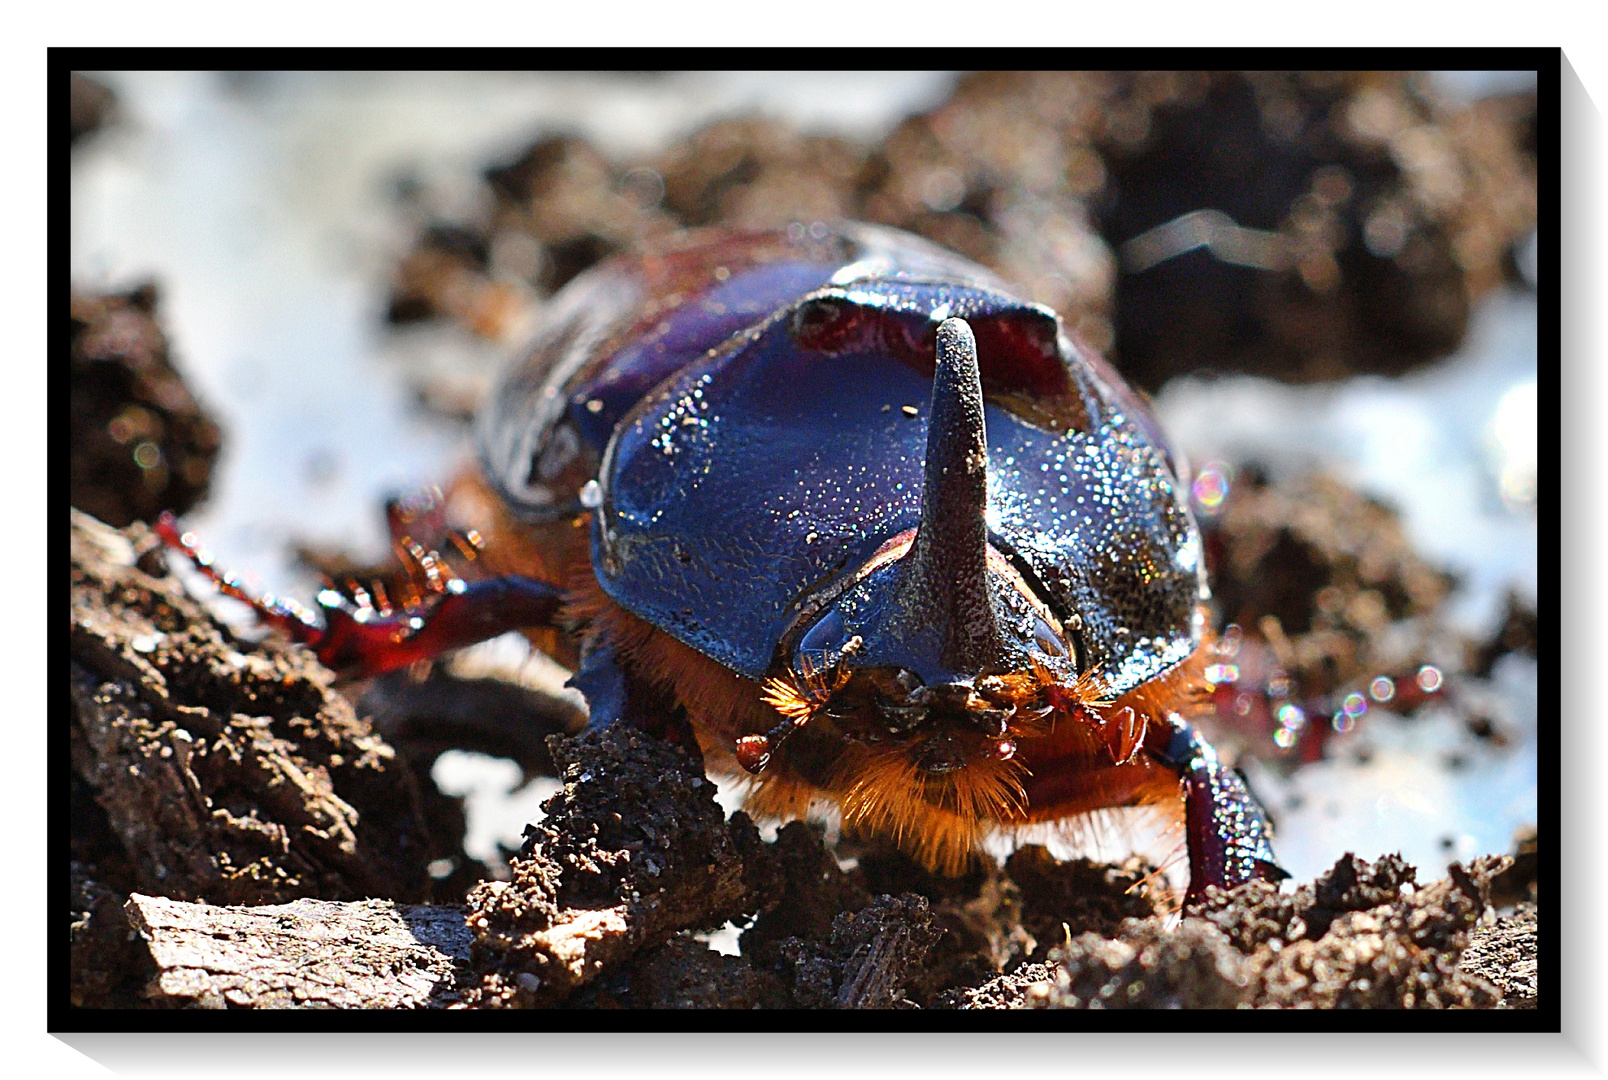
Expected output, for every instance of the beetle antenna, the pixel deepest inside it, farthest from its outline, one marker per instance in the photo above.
(947, 585)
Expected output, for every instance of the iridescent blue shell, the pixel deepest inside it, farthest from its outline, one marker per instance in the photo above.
(753, 409)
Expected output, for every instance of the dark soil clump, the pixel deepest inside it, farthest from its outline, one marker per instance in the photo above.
(141, 443)
(633, 850)
(1359, 937)
(105, 963)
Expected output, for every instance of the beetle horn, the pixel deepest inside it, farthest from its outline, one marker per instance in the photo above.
(947, 581)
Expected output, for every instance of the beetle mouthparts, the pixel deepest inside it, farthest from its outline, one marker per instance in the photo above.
(946, 580)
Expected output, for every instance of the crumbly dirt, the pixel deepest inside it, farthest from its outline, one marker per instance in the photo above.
(210, 768)
(631, 851)
(141, 443)
(1361, 936)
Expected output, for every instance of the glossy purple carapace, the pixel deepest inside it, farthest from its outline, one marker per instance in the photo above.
(801, 385)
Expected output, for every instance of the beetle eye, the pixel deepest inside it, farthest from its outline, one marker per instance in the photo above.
(1047, 639)
(822, 324)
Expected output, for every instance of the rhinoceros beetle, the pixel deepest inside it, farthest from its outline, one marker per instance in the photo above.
(833, 508)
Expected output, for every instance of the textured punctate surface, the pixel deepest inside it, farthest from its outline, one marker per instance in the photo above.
(760, 472)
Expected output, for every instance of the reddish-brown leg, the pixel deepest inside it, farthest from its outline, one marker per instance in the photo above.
(359, 640)
(1228, 834)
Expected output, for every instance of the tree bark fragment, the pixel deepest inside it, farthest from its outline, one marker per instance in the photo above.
(369, 954)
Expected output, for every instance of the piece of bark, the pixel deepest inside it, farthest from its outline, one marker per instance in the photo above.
(371, 954)
(229, 772)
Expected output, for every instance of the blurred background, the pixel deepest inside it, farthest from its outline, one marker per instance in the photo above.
(293, 289)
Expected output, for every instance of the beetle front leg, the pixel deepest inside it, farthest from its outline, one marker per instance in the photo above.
(360, 643)
(1227, 832)
(359, 640)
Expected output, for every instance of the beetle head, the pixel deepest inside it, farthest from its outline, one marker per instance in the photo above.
(937, 644)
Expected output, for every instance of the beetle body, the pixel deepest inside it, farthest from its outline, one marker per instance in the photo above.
(870, 530)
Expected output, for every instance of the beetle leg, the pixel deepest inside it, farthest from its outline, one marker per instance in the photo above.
(613, 696)
(602, 681)
(360, 641)
(1228, 833)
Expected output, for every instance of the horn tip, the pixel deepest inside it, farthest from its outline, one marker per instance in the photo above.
(955, 332)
